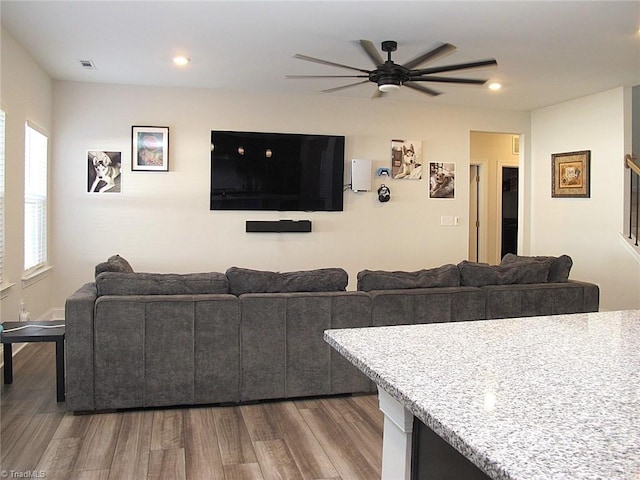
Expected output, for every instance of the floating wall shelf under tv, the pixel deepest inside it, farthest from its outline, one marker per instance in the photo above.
(276, 171)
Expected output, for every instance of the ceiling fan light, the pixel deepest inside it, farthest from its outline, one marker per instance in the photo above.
(388, 87)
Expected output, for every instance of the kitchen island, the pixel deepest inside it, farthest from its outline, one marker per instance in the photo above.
(554, 397)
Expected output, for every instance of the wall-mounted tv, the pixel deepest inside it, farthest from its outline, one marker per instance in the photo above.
(276, 171)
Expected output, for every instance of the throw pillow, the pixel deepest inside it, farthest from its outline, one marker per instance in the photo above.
(444, 276)
(115, 263)
(560, 266)
(244, 280)
(474, 274)
(118, 283)
(524, 272)
(319, 280)
(481, 274)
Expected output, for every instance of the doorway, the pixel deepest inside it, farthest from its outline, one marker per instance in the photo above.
(509, 214)
(493, 196)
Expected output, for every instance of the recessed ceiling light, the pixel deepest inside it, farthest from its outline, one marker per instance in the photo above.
(181, 60)
(495, 86)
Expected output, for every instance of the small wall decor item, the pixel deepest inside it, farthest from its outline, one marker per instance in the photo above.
(570, 174)
(104, 171)
(442, 180)
(150, 148)
(406, 159)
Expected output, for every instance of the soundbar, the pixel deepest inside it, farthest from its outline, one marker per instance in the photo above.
(279, 226)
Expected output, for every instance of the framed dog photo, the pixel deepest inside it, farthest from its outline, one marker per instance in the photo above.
(150, 149)
(442, 180)
(406, 159)
(570, 174)
(104, 171)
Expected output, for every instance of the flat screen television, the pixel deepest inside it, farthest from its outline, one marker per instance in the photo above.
(276, 171)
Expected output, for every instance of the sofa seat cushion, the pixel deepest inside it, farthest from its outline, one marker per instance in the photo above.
(244, 280)
(115, 263)
(560, 266)
(481, 274)
(444, 276)
(115, 283)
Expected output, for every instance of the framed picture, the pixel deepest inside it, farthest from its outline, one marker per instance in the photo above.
(515, 144)
(150, 148)
(570, 174)
(104, 171)
(442, 180)
(406, 159)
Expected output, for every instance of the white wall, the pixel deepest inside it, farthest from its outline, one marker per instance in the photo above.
(25, 94)
(162, 222)
(588, 229)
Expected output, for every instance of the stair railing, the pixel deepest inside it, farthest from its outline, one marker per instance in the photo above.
(634, 195)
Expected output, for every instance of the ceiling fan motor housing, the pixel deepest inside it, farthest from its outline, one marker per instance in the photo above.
(390, 73)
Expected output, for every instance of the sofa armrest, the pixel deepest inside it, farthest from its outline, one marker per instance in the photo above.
(529, 300)
(79, 378)
(591, 293)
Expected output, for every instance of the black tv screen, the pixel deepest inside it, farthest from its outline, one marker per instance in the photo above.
(276, 171)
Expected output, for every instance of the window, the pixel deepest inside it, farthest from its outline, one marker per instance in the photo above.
(35, 200)
(1, 196)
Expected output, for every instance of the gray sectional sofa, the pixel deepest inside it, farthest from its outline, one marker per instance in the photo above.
(149, 340)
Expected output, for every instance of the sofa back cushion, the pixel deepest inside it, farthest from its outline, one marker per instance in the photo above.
(560, 266)
(115, 263)
(481, 274)
(118, 283)
(444, 276)
(244, 280)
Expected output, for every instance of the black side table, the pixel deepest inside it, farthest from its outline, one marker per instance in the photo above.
(35, 333)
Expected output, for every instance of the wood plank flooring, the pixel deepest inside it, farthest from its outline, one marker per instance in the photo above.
(320, 438)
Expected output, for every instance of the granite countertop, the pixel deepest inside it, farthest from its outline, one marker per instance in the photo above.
(528, 398)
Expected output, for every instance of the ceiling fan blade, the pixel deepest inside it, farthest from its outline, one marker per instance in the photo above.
(422, 89)
(335, 89)
(298, 77)
(325, 62)
(469, 81)
(372, 52)
(459, 66)
(431, 55)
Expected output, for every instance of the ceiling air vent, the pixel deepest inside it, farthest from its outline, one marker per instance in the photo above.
(87, 64)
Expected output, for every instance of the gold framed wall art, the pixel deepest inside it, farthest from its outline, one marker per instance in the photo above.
(571, 174)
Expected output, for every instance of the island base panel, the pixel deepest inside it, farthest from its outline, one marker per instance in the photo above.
(434, 459)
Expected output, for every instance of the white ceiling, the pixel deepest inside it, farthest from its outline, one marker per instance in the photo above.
(547, 51)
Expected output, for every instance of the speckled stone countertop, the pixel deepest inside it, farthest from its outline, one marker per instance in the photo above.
(528, 398)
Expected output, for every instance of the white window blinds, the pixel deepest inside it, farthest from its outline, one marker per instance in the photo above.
(1, 196)
(35, 200)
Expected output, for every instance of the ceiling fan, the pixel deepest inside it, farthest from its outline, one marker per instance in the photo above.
(390, 76)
